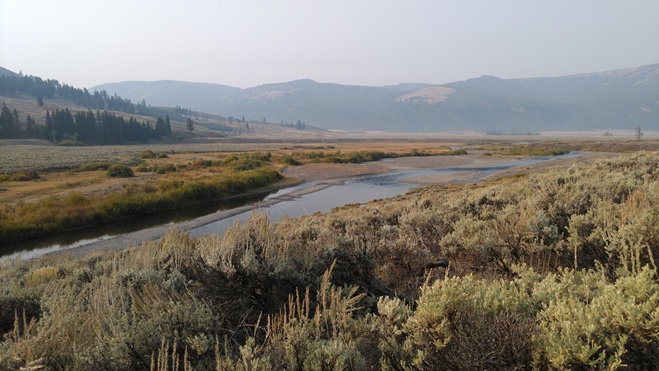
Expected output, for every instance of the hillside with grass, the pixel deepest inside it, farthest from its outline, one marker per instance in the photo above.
(554, 270)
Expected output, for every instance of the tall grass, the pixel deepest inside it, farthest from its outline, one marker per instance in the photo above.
(76, 210)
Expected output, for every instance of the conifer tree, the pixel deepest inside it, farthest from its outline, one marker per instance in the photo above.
(160, 127)
(6, 122)
(168, 125)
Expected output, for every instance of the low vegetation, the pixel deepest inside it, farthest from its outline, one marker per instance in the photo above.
(23, 176)
(119, 171)
(146, 154)
(93, 166)
(338, 157)
(538, 149)
(548, 271)
(234, 175)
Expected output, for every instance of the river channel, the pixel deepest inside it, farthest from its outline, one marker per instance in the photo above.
(360, 189)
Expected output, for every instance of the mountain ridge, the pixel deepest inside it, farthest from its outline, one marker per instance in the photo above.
(617, 99)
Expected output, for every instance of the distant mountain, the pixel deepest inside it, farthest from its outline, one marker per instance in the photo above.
(619, 99)
(170, 93)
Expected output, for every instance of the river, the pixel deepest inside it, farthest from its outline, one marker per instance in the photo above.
(360, 189)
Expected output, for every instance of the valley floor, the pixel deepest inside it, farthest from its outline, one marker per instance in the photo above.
(329, 174)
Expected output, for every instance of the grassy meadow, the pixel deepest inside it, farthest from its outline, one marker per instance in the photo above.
(98, 192)
(550, 270)
(63, 191)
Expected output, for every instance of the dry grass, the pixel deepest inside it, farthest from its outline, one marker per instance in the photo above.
(53, 162)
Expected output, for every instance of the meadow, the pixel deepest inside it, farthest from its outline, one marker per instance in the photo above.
(63, 192)
(550, 270)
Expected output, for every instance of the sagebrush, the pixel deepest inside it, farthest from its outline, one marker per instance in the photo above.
(548, 271)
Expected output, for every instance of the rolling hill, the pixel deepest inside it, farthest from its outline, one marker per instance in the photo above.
(620, 99)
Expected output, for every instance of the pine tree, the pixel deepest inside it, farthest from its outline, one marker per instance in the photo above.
(6, 122)
(189, 124)
(168, 125)
(160, 127)
(29, 126)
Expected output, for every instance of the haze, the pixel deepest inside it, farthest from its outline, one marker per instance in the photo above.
(248, 43)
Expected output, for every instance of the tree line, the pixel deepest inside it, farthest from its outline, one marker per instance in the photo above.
(85, 127)
(299, 126)
(46, 89)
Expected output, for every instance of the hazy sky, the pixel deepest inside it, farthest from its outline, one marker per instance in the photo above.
(245, 43)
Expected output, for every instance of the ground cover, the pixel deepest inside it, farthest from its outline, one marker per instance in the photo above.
(55, 176)
(98, 193)
(552, 270)
(73, 193)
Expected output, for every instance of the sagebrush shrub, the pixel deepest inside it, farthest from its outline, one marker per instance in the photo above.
(120, 171)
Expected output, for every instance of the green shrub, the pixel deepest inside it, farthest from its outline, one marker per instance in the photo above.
(589, 323)
(71, 143)
(492, 322)
(142, 167)
(162, 169)
(456, 152)
(15, 301)
(25, 176)
(120, 171)
(196, 164)
(288, 160)
(148, 154)
(521, 150)
(93, 166)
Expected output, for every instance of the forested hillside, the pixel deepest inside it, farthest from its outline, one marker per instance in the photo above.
(546, 271)
(81, 128)
(61, 126)
(12, 85)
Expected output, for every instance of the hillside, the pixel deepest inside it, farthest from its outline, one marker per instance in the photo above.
(37, 109)
(613, 100)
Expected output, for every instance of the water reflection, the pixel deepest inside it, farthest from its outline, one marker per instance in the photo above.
(39, 246)
(351, 192)
(361, 190)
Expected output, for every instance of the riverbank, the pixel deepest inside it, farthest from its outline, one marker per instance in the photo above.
(326, 175)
